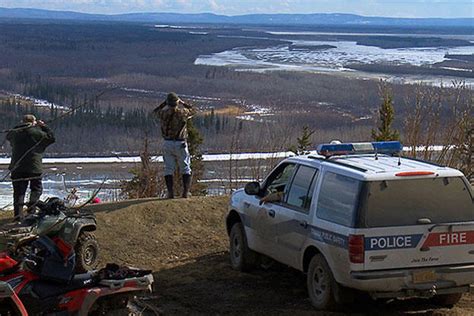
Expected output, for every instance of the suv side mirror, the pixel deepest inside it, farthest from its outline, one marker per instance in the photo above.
(252, 188)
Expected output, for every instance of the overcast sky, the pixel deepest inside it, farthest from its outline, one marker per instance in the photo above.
(388, 8)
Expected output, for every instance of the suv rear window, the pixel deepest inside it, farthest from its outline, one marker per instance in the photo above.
(338, 199)
(404, 202)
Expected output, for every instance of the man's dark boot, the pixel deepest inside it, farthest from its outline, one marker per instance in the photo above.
(36, 187)
(19, 189)
(186, 185)
(169, 186)
(18, 212)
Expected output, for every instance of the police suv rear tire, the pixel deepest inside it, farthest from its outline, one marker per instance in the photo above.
(87, 252)
(321, 284)
(447, 300)
(241, 257)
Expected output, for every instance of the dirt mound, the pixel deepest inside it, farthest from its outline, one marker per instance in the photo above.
(157, 234)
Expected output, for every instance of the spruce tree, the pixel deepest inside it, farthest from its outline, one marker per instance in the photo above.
(195, 140)
(384, 131)
(303, 143)
(145, 182)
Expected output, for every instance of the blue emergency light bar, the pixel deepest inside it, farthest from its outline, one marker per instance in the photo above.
(389, 148)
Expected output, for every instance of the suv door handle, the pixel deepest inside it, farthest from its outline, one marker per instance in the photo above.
(304, 224)
(271, 213)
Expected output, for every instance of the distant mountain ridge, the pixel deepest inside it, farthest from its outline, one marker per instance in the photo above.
(210, 18)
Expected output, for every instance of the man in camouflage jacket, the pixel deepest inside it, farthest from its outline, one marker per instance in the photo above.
(174, 114)
(29, 141)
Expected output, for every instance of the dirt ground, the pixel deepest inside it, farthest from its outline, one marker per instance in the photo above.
(185, 243)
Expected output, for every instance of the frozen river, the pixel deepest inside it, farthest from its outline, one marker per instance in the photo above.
(222, 172)
(58, 182)
(332, 60)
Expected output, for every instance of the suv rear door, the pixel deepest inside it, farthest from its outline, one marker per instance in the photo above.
(417, 223)
(336, 211)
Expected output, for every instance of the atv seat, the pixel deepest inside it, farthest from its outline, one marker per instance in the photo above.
(45, 289)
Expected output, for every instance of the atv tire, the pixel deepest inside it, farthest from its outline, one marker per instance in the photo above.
(87, 252)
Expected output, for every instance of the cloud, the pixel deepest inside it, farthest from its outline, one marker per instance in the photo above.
(94, 6)
(214, 6)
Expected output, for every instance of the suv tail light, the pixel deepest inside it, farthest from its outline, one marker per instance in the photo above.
(414, 173)
(356, 249)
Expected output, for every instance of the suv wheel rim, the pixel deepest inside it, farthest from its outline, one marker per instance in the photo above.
(320, 284)
(236, 248)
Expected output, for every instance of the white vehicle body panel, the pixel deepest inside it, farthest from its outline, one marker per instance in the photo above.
(399, 258)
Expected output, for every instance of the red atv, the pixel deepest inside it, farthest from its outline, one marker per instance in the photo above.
(45, 283)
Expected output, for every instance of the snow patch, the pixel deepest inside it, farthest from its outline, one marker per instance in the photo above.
(39, 102)
(207, 157)
(168, 26)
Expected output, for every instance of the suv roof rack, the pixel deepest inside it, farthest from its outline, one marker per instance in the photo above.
(424, 161)
(337, 162)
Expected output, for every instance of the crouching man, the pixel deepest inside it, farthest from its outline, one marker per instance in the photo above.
(173, 115)
(29, 141)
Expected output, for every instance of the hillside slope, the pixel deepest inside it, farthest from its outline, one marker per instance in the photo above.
(185, 243)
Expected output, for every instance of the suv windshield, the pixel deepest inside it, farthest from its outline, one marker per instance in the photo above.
(405, 202)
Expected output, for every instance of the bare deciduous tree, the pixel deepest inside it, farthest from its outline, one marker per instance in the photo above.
(440, 134)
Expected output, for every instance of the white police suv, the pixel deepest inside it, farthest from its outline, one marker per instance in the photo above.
(359, 217)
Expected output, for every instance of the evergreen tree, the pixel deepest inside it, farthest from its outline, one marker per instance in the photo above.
(218, 124)
(195, 140)
(145, 182)
(207, 121)
(212, 117)
(384, 131)
(303, 143)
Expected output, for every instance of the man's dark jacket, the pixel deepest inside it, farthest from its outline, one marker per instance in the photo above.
(28, 145)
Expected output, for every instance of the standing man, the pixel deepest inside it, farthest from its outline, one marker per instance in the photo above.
(173, 114)
(29, 141)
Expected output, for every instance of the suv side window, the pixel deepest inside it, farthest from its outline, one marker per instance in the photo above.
(279, 179)
(302, 187)
(338, 199)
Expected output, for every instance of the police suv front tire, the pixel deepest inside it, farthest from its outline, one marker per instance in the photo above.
(321, 284)
(241, 257)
